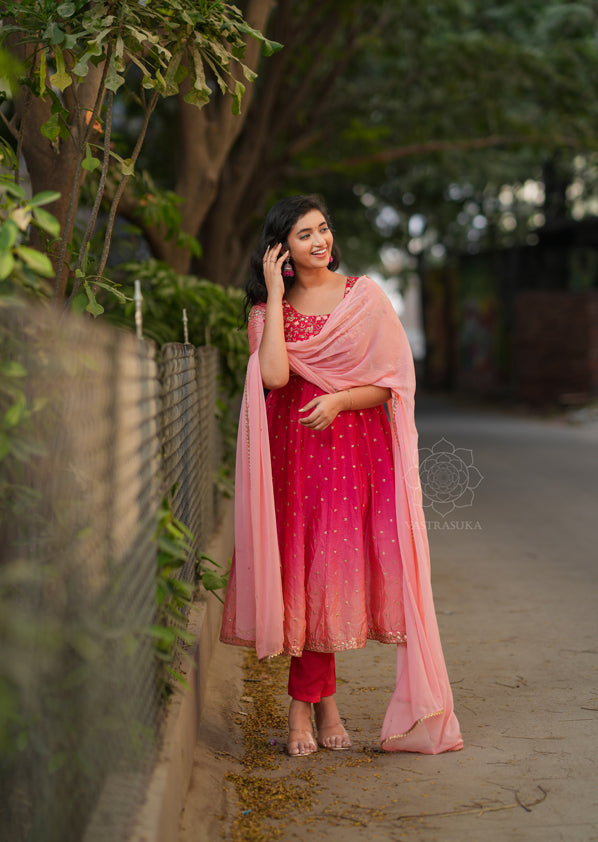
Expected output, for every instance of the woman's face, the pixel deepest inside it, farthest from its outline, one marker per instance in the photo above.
(310, 241)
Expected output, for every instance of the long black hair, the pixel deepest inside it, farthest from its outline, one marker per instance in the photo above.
(280, 219)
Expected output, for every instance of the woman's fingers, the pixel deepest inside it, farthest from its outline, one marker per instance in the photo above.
(272, 266)
(317, 424)
(313, 402)
(324, 408)
(313, 418)
(316, 420)
(273, 254)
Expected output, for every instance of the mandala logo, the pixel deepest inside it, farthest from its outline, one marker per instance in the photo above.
(448, 477)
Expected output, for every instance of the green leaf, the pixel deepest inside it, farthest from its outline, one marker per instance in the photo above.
(44, 198)
(42, 73)
(171, 548)
(61, 79)
(114, 81)
(7, 264)
(237, 96)
(11, 368)
(81, 67)
(47, 222)
(249, 74)
(22, 218)
(80, 273)
(93, 306)
(79, 303)
(178, 676)
(127, 166)
(40, 263)
(113, 288)
(213, 581)
(161, 82)
(164, 634)
(16, 412)
(52, 127)
(14, 190)
(53, 33)
(90, 163)
(270, 47)
(65, 10)
(8, 234)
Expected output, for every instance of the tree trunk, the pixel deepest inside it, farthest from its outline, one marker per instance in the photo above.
(54, 165)
(206, 139)
(263, 154)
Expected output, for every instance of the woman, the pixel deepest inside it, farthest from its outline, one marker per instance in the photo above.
(330, 544)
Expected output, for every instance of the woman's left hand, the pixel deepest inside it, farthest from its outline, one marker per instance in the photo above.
(324, 408)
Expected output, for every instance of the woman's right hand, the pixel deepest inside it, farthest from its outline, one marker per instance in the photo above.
(274, 363)
(272, 263)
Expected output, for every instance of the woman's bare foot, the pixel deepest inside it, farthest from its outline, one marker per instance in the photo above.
(301, 733)
(330, 729)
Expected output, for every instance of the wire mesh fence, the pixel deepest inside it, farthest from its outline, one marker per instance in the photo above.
(99, 429)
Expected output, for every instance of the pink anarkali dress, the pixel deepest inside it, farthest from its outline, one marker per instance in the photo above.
(330, 536)
(334, 498)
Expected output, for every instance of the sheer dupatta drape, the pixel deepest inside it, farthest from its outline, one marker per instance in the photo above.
(362, 343)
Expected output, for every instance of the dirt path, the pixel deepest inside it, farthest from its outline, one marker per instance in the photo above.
(516, 600)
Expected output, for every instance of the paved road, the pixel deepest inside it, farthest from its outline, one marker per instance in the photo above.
(515, 578)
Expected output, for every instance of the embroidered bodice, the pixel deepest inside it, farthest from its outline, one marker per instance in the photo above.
(297, 326)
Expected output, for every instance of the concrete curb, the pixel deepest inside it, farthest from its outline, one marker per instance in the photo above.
(158, 819)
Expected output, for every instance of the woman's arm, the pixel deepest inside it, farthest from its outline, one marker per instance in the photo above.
(325, 408)
(274, 362)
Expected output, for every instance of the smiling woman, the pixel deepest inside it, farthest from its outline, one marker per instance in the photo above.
(331, 545)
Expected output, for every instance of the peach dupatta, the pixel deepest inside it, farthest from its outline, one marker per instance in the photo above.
(362, 343)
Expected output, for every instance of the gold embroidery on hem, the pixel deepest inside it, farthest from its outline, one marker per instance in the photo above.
(415, 724)
(232, 640)
(272, 656)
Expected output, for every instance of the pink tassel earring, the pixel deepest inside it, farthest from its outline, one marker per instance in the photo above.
(331, 260)
(287, 269)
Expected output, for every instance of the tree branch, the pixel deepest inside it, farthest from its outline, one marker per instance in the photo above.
(123, 183)
(91, 223)
(386, 156)
(10, 124)
(61, 276)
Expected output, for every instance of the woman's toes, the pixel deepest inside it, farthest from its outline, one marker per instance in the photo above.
(300, 742)
(334, 737)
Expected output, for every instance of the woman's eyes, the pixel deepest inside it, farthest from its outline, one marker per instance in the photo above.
(323, 230)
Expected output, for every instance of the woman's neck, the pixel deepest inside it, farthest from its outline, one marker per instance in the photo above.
(317, 294)
(306, 280)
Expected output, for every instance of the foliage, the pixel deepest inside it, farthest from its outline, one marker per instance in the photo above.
(160, 208)
(210, 578)
(166, 42)
(390, 107)
(18, 443)
(213, 314)
(77, 55)
(23, 268)
(381, 110)
(174, 597)
(19, 414)
(444, 110)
